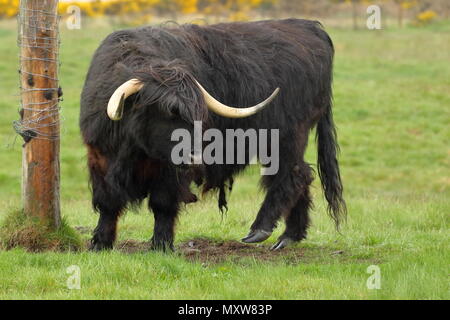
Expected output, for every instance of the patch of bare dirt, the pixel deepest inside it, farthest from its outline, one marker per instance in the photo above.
(133, 246)
(209, 251)
(206, 250)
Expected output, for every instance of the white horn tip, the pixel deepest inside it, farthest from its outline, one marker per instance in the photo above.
(116, 113)
(275, 93)
(117, 101)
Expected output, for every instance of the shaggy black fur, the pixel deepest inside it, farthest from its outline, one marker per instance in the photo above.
(240, 64)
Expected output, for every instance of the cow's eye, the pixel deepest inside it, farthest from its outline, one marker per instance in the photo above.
(174, 113)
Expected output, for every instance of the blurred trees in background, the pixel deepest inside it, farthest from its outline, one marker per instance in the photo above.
(145, 11)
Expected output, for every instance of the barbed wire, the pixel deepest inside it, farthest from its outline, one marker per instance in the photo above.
(42, 38)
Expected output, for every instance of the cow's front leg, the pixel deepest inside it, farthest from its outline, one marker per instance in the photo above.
(105, 232)
(164, 202)
(109, 205)
(107, 201)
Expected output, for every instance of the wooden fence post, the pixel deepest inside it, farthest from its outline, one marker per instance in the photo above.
(40, 126)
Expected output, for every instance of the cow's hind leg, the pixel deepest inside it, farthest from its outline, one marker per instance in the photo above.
(283, 192)
(284, 189)
(297, 222)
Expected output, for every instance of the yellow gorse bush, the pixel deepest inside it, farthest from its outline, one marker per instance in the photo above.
(234, 9)
(108, 7)
(408, 4)
(426, 16)
(97, 8)
(9, 8)
(187, 6)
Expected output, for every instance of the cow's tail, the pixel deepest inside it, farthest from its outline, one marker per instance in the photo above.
(328, 167)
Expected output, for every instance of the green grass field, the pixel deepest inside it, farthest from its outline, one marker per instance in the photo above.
(392, 109)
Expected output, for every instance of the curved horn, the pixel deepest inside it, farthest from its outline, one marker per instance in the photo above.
(117, 100)
(231, 112)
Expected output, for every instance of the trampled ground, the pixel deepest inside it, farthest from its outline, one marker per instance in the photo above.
(392, 108)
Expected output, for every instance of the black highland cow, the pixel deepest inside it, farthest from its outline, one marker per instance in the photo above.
(149, 80)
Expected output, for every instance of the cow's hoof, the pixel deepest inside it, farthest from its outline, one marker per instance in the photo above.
(257, 236)
(98, 246)
(162, 246)
(282, 243)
